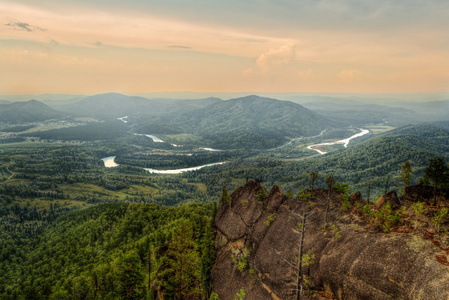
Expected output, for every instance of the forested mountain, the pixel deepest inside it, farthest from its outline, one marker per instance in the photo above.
(119, 105)
(360, 113)
(30, 111)
(436, 129)
(248, 122)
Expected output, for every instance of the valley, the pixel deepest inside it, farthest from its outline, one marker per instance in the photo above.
(132, 172)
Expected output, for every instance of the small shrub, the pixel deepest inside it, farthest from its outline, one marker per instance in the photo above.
(270, 219)
(385, 217)
(335, 232)
(438, 218)
(366, 210)
(252, 271)
(242, 264)
(244, 203)
(342, 188)
(345, 204)
(289, 194)
(214, 296)
(418, 209)
(262, 195)
(240, 295)
(308, 259)
(305, 196)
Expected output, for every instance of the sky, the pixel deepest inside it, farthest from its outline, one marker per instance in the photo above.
(266, 46)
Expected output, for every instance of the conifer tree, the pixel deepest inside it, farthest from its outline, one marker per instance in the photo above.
(437, 173)
(182, 274)
(406, 175)
(207, 259)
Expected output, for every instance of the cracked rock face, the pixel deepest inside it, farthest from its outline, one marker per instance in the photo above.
(257, 248)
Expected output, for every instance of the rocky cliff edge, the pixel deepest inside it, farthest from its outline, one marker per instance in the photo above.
(352, 258)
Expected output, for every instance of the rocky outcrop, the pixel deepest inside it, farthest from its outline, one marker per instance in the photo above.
(424, 193)
(257, 248)
(356, 198)
(391, 198)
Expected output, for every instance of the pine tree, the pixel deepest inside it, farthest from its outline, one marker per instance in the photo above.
(437, 173)
(406, 175)
(182, 273)
(207, 258)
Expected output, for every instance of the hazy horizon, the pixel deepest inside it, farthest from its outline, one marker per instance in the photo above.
(364, 97)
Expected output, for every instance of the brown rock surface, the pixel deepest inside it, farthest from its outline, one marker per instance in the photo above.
(391, 198)
(357, 265)
(356, 198)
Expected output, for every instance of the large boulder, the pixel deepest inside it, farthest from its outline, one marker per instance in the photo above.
(391, 198)
(355, 198)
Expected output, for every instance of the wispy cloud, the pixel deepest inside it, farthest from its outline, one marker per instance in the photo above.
(276, 57)
(306, 74)
(179, 47)
(349, 75)
(24, 26)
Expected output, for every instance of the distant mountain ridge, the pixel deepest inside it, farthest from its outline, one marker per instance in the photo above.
(252, 122)
(30, 111)
(118, 105)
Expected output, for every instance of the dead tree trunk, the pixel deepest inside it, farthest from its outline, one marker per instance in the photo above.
(304, 218)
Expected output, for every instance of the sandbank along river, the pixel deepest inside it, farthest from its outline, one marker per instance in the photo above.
(110, 163)
(345, 142)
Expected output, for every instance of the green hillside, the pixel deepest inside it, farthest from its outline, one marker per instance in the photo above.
(114, 105)
(248, 122)
(370, 161)
(30, 111)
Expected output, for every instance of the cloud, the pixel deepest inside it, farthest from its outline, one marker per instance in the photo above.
(306, 74)
(51, 45)
(180, 47)
(248, 72)
(349, 75)
(24, 26)
(276, 57)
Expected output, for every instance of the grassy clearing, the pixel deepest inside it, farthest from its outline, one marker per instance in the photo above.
(379, 129)
(137, 189)
(238, 181)
(201, 186)
(86, 189)
(40, 203)
(184, 138)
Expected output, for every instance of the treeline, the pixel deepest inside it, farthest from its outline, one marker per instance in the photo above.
(112, 251)
(91, 132)
(177, 161)
(18, 128)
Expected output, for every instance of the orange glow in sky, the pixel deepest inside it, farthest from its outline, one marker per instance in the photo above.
(396, 46)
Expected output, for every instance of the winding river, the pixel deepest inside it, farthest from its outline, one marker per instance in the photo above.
(345, 142)
(110, 163)
(178, 171)
(123, 119)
